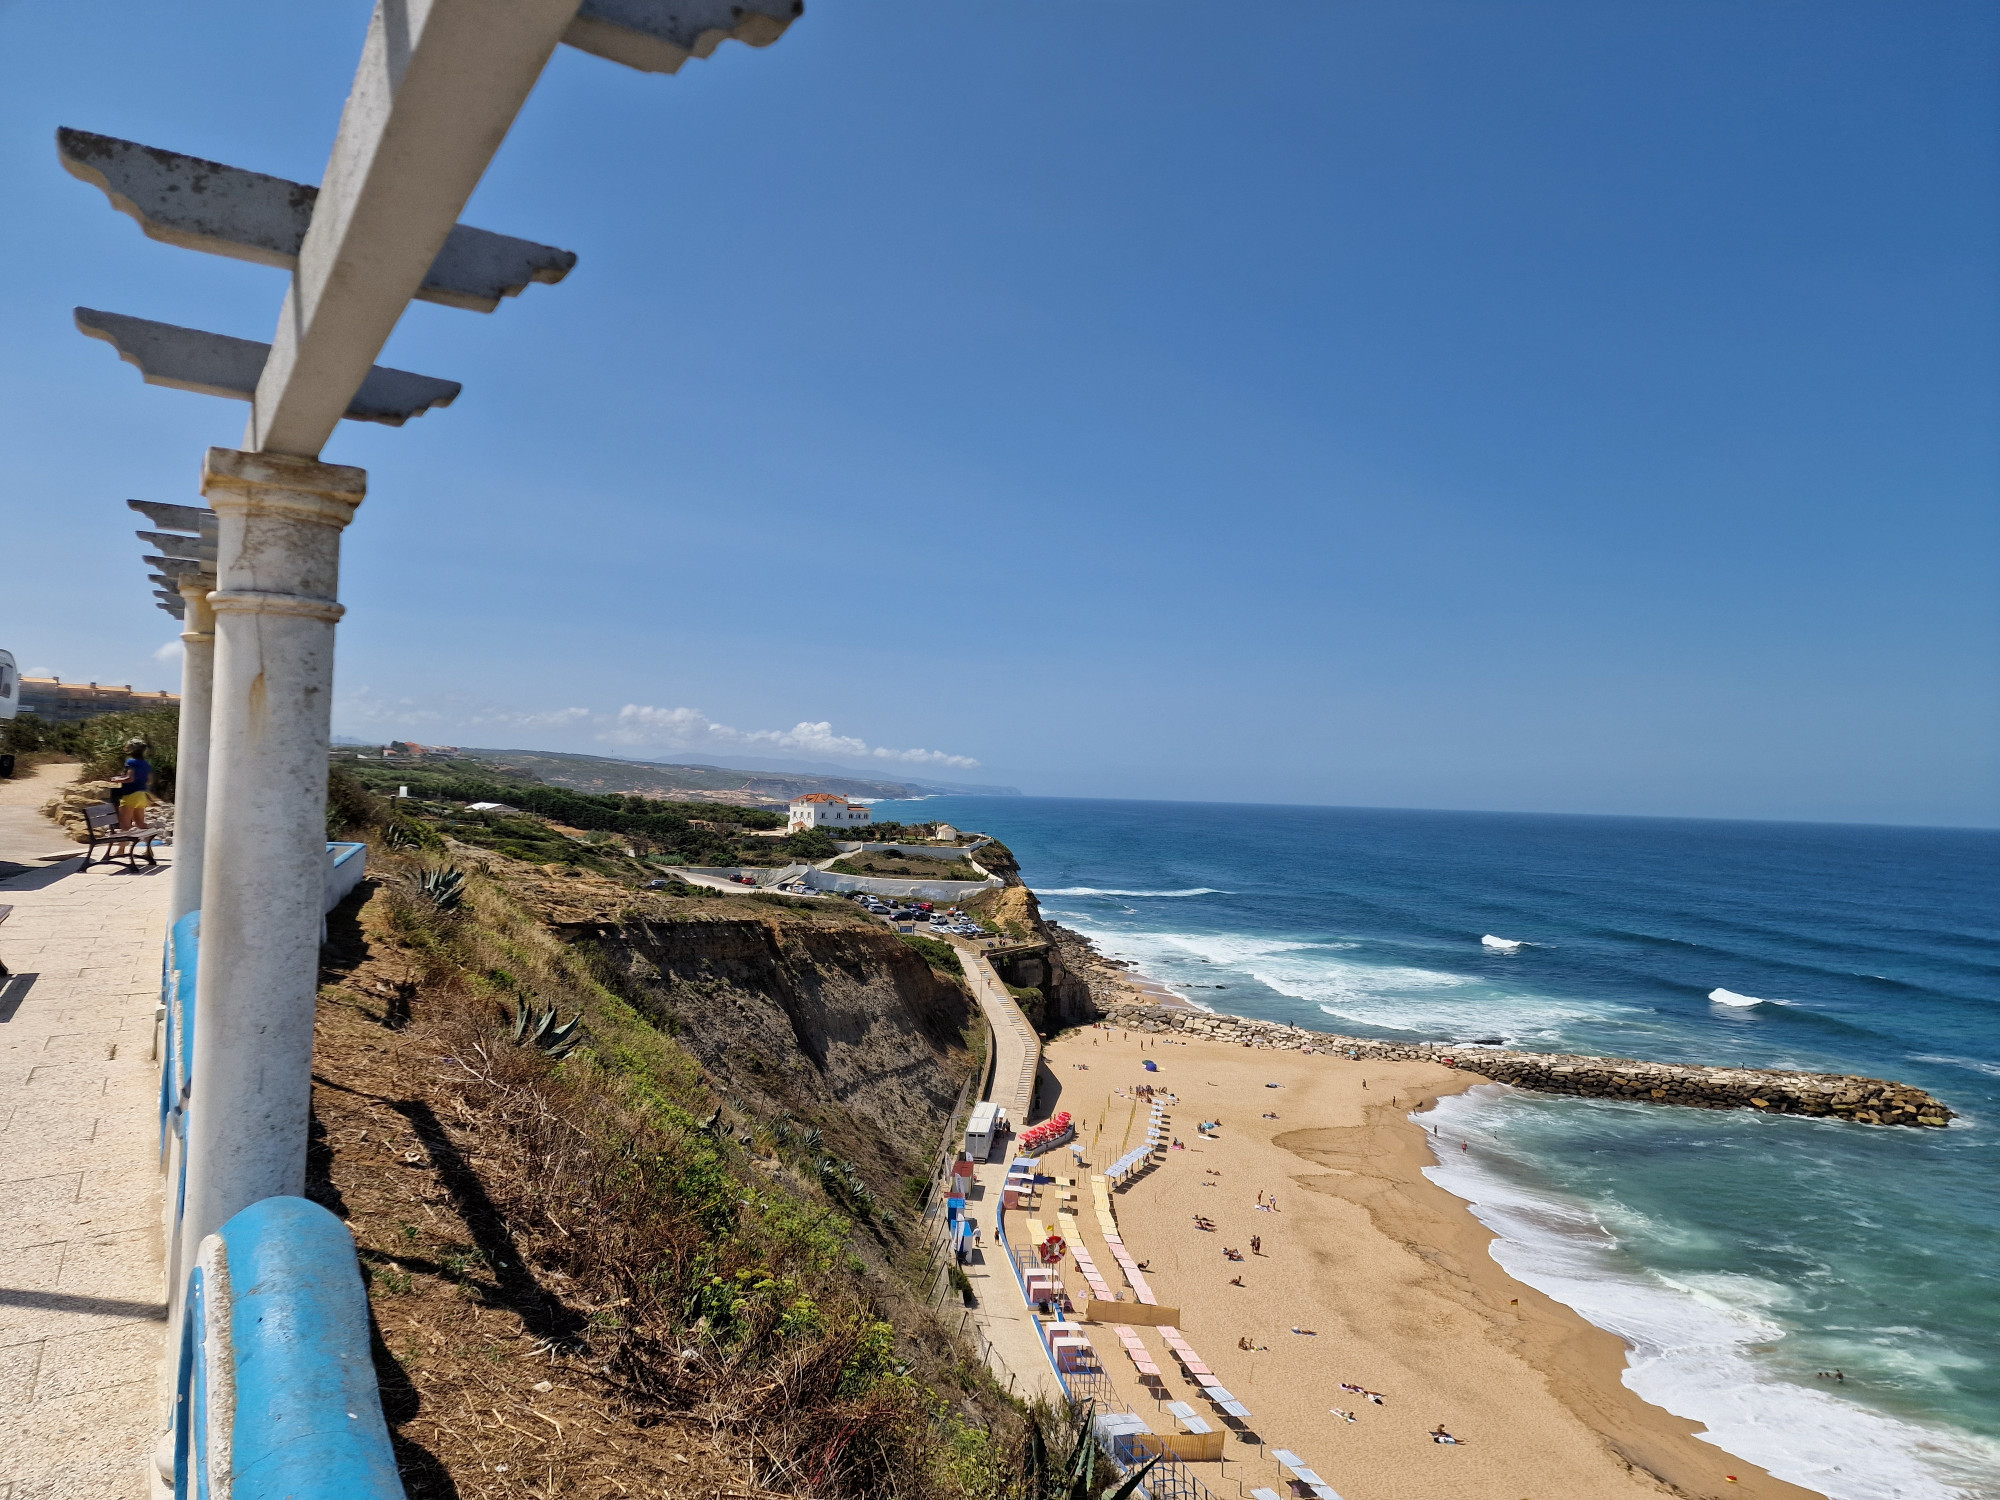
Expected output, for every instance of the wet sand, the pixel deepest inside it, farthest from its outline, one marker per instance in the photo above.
(1390, 1272)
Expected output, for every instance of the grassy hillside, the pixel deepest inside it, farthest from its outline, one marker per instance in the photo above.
(594, 773)
(678, 1254)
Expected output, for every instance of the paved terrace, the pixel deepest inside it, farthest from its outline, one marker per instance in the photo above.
(82, 1323)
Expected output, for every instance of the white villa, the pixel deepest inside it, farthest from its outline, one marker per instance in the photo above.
(824, 810)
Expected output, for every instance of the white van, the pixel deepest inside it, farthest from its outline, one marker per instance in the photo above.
(10, 686)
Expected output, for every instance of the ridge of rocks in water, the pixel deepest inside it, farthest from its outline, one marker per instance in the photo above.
(1777, 1091)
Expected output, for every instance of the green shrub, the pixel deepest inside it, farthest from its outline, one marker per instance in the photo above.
(936, 952)
(809, 844)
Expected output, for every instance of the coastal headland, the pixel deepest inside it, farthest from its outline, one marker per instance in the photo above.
(1362, 1272)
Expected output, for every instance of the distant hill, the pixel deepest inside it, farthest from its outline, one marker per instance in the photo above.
(603, 773)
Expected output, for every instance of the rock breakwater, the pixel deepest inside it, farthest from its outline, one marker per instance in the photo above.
(1777, 1091)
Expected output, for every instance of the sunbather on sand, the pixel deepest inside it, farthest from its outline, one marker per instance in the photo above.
(1236, 1281)
(1345, 1416)
(1439, 1435)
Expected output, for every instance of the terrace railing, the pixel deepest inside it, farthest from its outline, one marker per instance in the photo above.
(275, 1392)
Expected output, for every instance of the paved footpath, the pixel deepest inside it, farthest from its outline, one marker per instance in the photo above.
(82, 1321)
(1007, 1321)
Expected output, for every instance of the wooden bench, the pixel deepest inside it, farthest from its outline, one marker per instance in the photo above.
(101, 824)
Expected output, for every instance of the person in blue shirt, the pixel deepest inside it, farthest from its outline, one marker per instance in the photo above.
(134, 795)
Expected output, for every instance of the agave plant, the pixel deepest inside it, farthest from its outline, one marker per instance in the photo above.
(535, 1026)
(443, 886)
(1076, 1477)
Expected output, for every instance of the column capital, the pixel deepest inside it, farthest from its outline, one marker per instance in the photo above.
(194, 589)
(303, 489)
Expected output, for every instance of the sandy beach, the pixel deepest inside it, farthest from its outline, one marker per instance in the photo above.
(1390, 1273)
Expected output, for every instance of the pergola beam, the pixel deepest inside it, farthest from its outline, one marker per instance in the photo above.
(214, 364)
(657, 36)
(195, 520)
(191, 548)
(222, 210)
(439, 85)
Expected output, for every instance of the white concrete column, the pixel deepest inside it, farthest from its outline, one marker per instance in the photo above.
(191, 768)
(262, 871)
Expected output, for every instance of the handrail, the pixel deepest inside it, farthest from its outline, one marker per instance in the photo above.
(275, 1394)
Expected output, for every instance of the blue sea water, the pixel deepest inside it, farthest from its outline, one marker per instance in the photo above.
(1737, 1254)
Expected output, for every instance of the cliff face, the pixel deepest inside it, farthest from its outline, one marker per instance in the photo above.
(799, 1018)
(1033, 959)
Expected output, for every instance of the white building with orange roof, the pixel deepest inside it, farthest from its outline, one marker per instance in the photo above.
(825, 810)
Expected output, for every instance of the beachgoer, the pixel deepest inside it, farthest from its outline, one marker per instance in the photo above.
(1236, 1281)
(132, 795)
(1256, 1244)
(1305, 1332)
(1345, 1416)
(1439, 1435)
(1243, 1342)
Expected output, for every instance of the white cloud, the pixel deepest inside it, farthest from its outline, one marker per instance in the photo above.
(690, 729)
(635, 726)
(172, 651)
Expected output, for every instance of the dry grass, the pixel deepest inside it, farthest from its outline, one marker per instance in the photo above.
(578, 1290)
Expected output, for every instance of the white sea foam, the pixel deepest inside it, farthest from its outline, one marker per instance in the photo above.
(1502, 945)
(1392, 997)
(1970, 1064)
(1730, 997)
(1091, 890)
(1691, 1341)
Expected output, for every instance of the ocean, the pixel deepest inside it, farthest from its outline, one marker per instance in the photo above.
(1739, 1255)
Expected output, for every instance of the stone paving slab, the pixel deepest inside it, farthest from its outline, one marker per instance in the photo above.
(82, 1312)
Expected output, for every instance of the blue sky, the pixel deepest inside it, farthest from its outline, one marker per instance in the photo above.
(1579, 407)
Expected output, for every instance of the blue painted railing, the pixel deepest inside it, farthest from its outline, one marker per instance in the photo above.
(275, 1397)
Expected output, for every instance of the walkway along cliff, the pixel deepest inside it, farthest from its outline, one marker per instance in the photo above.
(1778, 1091)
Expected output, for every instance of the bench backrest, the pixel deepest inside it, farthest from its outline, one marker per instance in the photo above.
(101, 816)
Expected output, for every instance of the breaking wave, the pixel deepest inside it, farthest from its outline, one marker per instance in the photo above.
(1091, 890)
(1692, 1340)
(1730, 997)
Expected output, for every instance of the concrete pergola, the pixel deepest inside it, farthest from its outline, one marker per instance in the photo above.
(255, 577)
(187, 545)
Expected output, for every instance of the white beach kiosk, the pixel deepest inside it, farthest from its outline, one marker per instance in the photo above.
(988, 1120)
